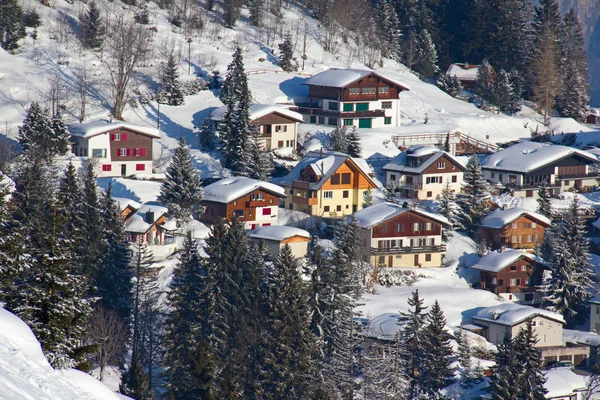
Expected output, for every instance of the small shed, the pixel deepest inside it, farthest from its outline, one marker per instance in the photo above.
(275, 237)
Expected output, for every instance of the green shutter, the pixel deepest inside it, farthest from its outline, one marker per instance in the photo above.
(364, 122)
(387, 120)
(348, 106)
(362, 106)
(348, 122)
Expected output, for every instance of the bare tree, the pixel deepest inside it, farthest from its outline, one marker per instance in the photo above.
(82, 87)
(109, 334)
(128, 43)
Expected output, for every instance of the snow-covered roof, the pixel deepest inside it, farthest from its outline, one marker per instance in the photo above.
(399, 163)
(563, 382)
(499, 218)
(88, 129)
(124, 203)
(278, 233)
(581, 337)
(230, 189)
(496, 261)
(257, 111)
(596, 223)
(594, 111)
(324, 163)
(462, 72)
(528, 156)
(378, 213)
(336, 77)
(595, 299)
(511, 314)
(137, 222)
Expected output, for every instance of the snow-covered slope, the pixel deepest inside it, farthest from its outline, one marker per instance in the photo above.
(26, 375)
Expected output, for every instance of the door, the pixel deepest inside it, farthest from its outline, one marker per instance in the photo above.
(390, 261)
(364, 122)
(123, 169)
(416, 260)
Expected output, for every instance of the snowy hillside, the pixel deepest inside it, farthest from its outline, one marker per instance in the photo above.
(25, 373)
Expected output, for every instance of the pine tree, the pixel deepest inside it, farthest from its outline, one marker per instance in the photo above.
(389, 27)
(427, 59)
(92, 28)
(207, 135)
(472, 200)
(91, 246)
(506, 371)
(181, 190)
(437, 372)
(259, 164)
(12, 28)
(412, 341)
(448, 207)
(486, 78)
(286, 57)
(231, 12)
(38, 137)
(354, 148)
(530, 381)
(447, 143)
(450, 85)
(502, 93)
(544, 206)
(135, 382)
(170, 88)
(257, 13)
(367, 198)
(338, 140)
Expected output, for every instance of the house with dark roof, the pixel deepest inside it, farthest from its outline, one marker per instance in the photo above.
(328, 184)
(511, 274)
(275, 237)
(352, 97)
(514, 228)
(421, 172)
(525, 165)
(151, 225)
(392, 235)
(465, 73)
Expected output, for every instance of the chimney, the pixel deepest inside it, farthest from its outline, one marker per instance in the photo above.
(405, 204)
(495, 315)
(321, 153)
(149, 217)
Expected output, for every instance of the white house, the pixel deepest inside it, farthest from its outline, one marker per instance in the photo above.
(118, 148)
(275, 237)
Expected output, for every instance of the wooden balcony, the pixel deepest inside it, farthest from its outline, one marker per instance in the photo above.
(302, 185)
(305, 110)
(408, 250)
(305, 201)
(256, 203)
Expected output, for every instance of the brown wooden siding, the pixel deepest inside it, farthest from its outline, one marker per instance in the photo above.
(498, 238)
(321, 92)
(134, 140)
(273, 118)
(451, 166)
(388, 228)
(503, 278)
(357, 179)
(214, 210)
(295, 239)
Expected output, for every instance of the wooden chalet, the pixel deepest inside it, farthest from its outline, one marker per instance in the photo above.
(514, 228)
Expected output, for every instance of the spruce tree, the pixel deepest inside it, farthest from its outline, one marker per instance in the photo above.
(259, 164)
(207, 135)
(12, 28)
(486, 78)
(257, 13)
(502, 93)
(437, 372)
(181, 190)
(544, 206)
(231, 12)
(354, 148)
(92, 245)
(450, 85)
(472, 200)
(170, 88)
(367, 198)
(69, 200)
(448, 207)
(412, 342)
(506, 371)
(338, 140)
(390, 30)
(142, 286)
(464, 355)
(38, 137)
(530, 381)
(135, 382)
(92, 28)
(447, 143)
(427, 60)
(286, 57)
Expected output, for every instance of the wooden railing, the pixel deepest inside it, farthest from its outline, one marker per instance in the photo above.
(408, 249)
(302, 185)
(400, 140)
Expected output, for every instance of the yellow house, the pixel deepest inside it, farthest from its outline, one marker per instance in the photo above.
(328, 184)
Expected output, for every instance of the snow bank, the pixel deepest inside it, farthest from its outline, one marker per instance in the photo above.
(563, 382)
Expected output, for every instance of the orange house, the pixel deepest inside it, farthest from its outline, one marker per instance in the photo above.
(515, 228)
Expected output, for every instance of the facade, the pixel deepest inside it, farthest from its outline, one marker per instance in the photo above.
(421, 172)
(595, 313)
(514, 228)
(395, 236)
(513, 275)
(465, 73)
(352, 97)
(254, 202)
(117, 147)
(327, 184)
(275, 237)
(278, 125)
(150, 225)
(525, 165)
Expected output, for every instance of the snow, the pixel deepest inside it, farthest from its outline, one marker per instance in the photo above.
(378, 213)
(528, 156)
(25, 373)
(499, 218)
(137, 223)
(141, 191)
(335, 77)
(399, 163)
(563, 382)
(512, 314)
(229, 189)
(278, 233)
(92, 128)
(124, 203)
(257, 111)
(581, 337)
(496, 261)
(459, 71)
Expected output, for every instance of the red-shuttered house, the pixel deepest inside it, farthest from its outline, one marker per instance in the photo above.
(118, 148)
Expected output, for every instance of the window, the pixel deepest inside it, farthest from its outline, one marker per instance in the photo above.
(368, 90)
(333, 121)
(409, 179)
(280, 143)
(501, 282)
(392, 177)
(238, 213)
(428, 226)
(533, 225)
(387, 120)
(123, 152)
(266, 211)
(415, 226)
(256, 196)
(362, 106)
(567, 183)
(515, 225)
(334, 105)
(513, 282)
(137, 152)
(328, 194)
(116, 137)
(384, 89)
(348, 122)
(399, 227)
(335, 179)
(348, 107)
(386, 105)
(266, 224)
(384, 228)
(346, 178)
(454, 178)
(345, 194)
(313, 119)
(277, 128)
(523, 267)
(338, 208)
(441, 165)
(106, 167)
(528, 297)
(140, 167)
(528, 238)
(99, 153)
(429, 194)
(354, 91)
(326, 208)
(427, 257)
(513, 267)
(500, 178)
(513, 239)
(493, 175)
(432, 241)
(321, 120)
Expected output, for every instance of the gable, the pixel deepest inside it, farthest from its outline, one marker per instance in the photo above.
(407, 221)
(450, 165)
(274, 118)
(348, 176)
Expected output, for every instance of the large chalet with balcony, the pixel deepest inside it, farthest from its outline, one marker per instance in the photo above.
(525, 165)
(327, 184)
(277, 125)
(511, 274)
(253, 202)
(118, 148)
(421, 172)
(352, 97)
(395, 236)
(514, 228)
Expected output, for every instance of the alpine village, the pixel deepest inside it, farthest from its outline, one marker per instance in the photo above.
(299, 199)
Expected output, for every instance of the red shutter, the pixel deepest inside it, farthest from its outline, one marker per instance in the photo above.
(142, 152)
(128, 152)
(124, 137)
(112, 136)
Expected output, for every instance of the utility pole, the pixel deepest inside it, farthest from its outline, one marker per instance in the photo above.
(189, 42)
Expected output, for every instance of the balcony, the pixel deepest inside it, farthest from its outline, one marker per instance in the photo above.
(595, 174)
(305, 109)
(256, 203)
(408, 250)
(305, 201)
(302, 185)
(408, 186)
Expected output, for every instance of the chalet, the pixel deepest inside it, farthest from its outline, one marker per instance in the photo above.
(511, 274)
(593, 116)
(253, 202)
(275, 237)
(465, 73)
(421, 172)
(327, 184)
(119, 148)
(395, 236)
(352, 97)
(126, 206)
(150, 225)
(525, 165)
(278, 125)
(515, 228)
